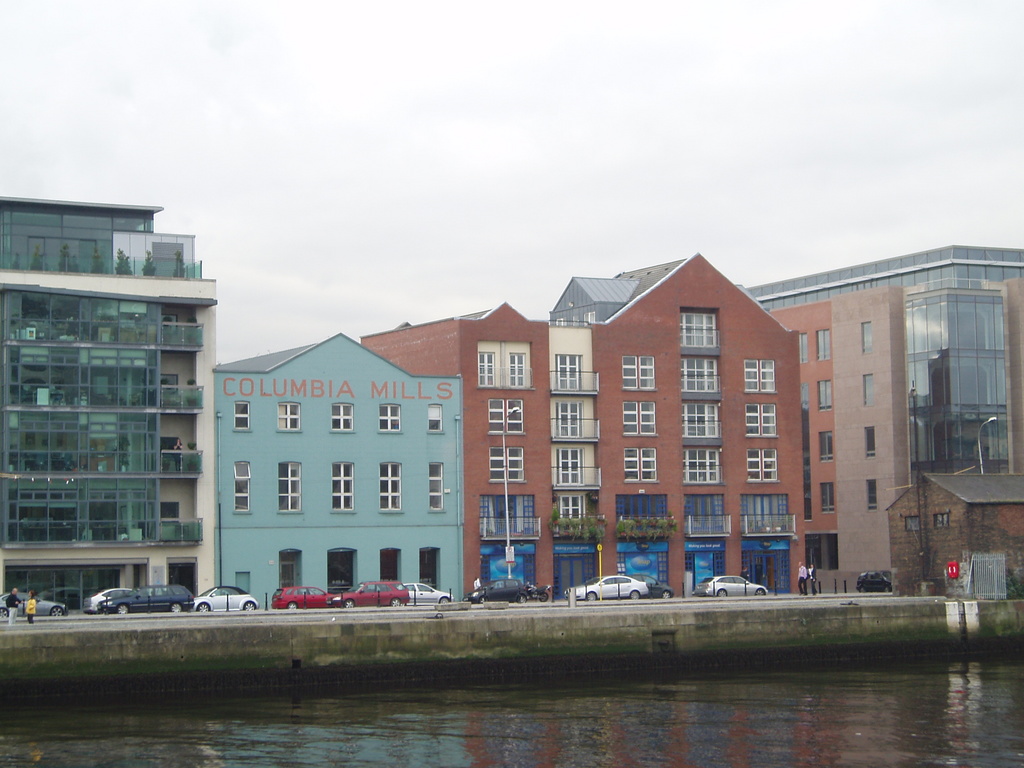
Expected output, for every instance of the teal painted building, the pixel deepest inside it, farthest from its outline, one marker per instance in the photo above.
(336, 467)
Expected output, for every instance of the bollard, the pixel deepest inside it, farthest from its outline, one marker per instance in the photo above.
(572, 597)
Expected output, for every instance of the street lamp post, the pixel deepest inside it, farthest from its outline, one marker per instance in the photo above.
(981, 457)
(510, 555)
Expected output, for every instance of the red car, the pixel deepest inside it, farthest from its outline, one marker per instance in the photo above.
(301, 597)
(374, 593)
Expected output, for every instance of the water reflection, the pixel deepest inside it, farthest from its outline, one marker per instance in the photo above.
(965, 714)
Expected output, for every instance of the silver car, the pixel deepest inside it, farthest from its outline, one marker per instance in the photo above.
(225, 599)
(44, 607)
(91, 604)
(424, 594)
(724, 586)
(611, 588)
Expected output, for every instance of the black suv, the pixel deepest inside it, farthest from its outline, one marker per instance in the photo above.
(874, 581)
(499, 590)
(159, 597)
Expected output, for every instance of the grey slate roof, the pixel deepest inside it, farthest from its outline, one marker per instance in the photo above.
(647, 277)
(607, 289)
(263, 363)
(983, 489)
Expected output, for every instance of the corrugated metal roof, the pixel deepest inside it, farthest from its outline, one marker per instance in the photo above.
(983, 489)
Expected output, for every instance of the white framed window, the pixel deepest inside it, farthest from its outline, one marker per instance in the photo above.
(504, 416)
(761, 420)
(568, 418)
(825, 395)
(638, 418)
(289, 486)
(698, 329)
(762, 465)
(570, 466)
(866, 340)
(435, 485)
(343, 479)
(343, 417)
(242, 415)
(243, 478)
(824, 339)
(516, 472)
(517, 369)
(701, 420)
(485, 369)
(869, 389)
(571, 506)
(759, 375)
(288, 417)
(702, 465)
(435, 415)
(390, 486)
(641, 464)
(389, 417)
(569, 372)
(638, 371)
(700, 374)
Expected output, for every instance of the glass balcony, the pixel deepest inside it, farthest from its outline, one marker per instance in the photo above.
(181, 334)
(185, 397)
(103, 532)
(708, 525)
(181, 462)
(519, 527)
(181, 530)
(761, 525)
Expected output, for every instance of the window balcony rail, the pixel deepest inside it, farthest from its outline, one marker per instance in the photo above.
(700, 338)
(519, 528)
(46, 462)
(575, 429)
(761, 525)
(576, 382)
(181, 530)
(181, 462)
(174, 396)
(588, 528)
(702, 384)
(505, 378)
(70, 532)
(181, 334)
(576, 477)
(708, 525)
(702, 429)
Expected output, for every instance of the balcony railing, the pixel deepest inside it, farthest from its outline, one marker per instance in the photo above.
(702, 384)
(702, 430)
(575, 429)
(99, 532)
(181, 462)
(699, 338)
(646, 528)
(708, 525)
(576, 477)
(174, 396)
(519, 528)
(761, 525)
(575, 382)
(181, 334)
(588, 528)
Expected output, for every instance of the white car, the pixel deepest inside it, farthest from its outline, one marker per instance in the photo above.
(92, 604)
(611, 588)
(424, 594)
(225, 599)
(723, 586)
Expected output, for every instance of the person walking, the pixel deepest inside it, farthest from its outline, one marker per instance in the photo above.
(30, 606)
(12, 603)
(801, 581)
(812, 577)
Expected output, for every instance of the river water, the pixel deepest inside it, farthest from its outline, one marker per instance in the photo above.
(922, 714)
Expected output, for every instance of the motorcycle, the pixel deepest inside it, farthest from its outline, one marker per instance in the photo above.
(535, 592)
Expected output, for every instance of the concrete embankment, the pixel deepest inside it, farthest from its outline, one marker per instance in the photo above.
(264, 651)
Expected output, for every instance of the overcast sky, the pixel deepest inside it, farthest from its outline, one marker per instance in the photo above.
(347, 167)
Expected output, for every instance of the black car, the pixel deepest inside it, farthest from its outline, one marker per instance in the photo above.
(874, 581)
(159, 597)
(655, 587)
(499, 590)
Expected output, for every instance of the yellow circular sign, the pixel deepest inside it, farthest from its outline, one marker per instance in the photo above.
(599, 547)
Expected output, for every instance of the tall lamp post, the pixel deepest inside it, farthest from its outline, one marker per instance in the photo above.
(510, 555)
(981, 457)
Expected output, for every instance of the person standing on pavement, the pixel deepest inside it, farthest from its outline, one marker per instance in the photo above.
(30, 606)
(12, 603)
(812, 577)
(802, 579)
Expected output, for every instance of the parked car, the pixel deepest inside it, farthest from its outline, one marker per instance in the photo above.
(225, 599)
(424, 594)
(497, 591)
(377, 593)
(157, 597)
(723, 586)
(91, 604)
(611, 588)
(655, 588)
(874, 581)
(301, 597)
(44, 607)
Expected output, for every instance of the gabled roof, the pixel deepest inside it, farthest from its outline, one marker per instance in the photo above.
(607, 289)
(263, 363)
(647, 277)
(983, 489)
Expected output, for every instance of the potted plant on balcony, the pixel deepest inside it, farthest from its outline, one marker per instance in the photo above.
(37, 260)
(97, 261)
(192, 459)
(124, 264)
(179, 264)
(149, 266)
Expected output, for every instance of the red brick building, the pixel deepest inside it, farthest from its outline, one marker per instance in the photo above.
(652, 427)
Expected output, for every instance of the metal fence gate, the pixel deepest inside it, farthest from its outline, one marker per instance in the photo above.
(988, 577)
